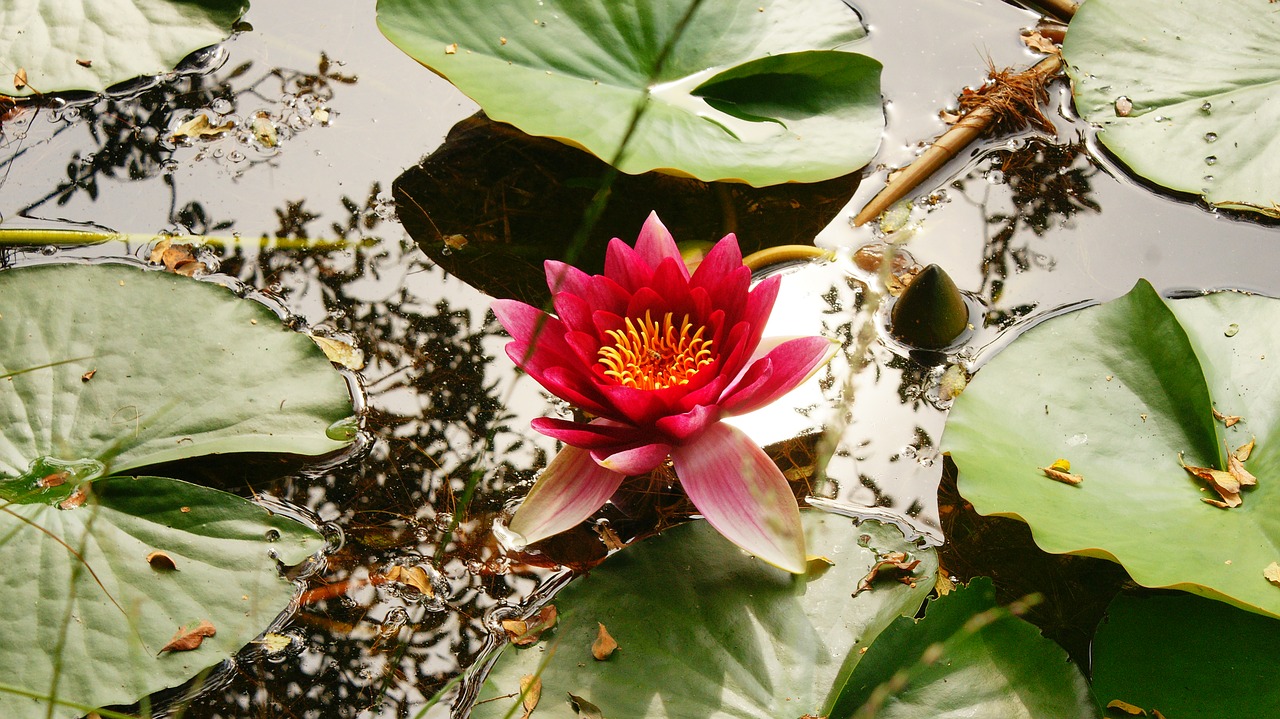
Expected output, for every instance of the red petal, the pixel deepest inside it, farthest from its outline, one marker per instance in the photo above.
(741, 492)
(568, 491)
(682, 427)
(722, 260)
(635, 460)
(783, 369)
(624, 266)
(522, 321)
(655, 244)
(596, 435)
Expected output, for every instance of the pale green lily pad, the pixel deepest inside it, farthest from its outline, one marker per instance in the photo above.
(180, 368)
(1187, 657)
(1186, 93)
(1119, 390)
(759, 92)
(99, 615)
(965, 658)
(707, 631)
(93, 44)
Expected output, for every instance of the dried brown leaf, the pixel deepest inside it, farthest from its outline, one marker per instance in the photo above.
(84, 63)
(1060, 470)
(75, 499)
(341, 353)
(200, 127)
(604, 645)
(610, 538)
(88, 375)
(531, 688)
(414, 576)
(162, 562)
(1224, 483)
(1243, 451)
(1272, 573)
(584, 708)
(186, 640)
(20, 78)
(1236, 468)
(1227, 420)
(55, 479)
(523, 632)
(1038, 42)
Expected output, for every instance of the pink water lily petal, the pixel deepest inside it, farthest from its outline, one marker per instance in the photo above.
(683, 427)
(572, 388)
(655, 244)
(568, 491)
(624, 266)
(741, 492)
(783, 369)
(724, 258)
(574, 311)
(635, 406)
(634, 460)
(523, 322)
(594, 435)
(599, 291)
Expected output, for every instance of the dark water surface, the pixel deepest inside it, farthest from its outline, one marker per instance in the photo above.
(1025, 225)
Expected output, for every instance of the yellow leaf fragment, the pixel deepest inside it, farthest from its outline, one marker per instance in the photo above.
(531, 690)
(1243, 451)
(816, 566)
(186, 640)
(1060, 471)
(264, 130)
(942, 584)
(1224, 483)
(20, 78)
(341, 353)
(1236, 468)
(1040, 43)
(1272, 573)
(274, 643)
(1227, 420)
(414, 576)
(604, 645)
(451, 48)
(1126, 708)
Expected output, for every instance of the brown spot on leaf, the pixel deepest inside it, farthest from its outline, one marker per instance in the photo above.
(161, 562)
(186, 640)
(604, 645)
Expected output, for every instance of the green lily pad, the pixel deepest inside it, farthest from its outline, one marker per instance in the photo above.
(758, 92)
(706, 631)
(966, 658)
(88, 614)
(1120, 390)
(1184, 92)
(180, 368)
(92, 44)
(1187, 657)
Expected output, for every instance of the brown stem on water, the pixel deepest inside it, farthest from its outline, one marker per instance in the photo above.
(1061, 9)
(1006, 101)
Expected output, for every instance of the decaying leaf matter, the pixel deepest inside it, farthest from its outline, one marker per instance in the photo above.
(185, 640)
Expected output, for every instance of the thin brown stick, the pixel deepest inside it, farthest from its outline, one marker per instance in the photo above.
(1064, 10)
(959, 136)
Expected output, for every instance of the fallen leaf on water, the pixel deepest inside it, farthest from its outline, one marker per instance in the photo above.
(585, 709)
(339, 352)
(186, 640)
(890, 563)
(531, 688)
(942, 584)
(264, 130)
(1227, 420)
(524, 632)
(1126, 708)
(1272, 573)
(604, 645)
(1040, 43)
(20, 78)
(200, 127)
(179, 259)
(1243, 451)
(1224, 483)
(161, 561)
(1060, 470)
(274, 643)
(414, 576)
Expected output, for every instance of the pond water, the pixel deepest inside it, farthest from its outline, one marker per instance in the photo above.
(1025, 225)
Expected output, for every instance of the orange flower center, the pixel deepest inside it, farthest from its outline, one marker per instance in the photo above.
(648, 355)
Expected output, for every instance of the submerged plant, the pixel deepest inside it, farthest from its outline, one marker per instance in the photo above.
(658, 356)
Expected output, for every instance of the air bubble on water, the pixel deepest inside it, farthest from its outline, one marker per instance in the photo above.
(236, 156)
(221, 105)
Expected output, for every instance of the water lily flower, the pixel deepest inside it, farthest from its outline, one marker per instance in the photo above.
(658, 357)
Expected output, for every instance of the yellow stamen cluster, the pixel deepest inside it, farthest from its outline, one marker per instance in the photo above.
(647, 355)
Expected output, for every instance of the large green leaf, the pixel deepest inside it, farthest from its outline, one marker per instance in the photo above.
(87, 615)
(966, 658)
(707, 631)
(93, 44)
(181, 368)
(754, 92)
(1120, 390)
(1187, 657)
(1203, 79)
